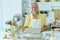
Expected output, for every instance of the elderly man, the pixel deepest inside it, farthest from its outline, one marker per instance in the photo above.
(35, 23)
(35, 19)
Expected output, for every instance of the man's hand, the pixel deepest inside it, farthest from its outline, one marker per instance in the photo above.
(24, 28)
(44, 28)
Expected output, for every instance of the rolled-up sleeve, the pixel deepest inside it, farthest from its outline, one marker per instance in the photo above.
(44, 22)
(27, 22)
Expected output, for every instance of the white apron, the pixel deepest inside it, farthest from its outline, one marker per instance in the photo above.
(35, 27)
(35, 30)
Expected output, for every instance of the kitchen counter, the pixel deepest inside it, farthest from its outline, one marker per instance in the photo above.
(45, 34)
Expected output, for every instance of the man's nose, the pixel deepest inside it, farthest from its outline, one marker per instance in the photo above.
(34, 8)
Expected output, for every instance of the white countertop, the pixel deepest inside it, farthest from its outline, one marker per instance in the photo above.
(56, 35)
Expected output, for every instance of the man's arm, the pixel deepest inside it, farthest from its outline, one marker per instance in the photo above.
(44, 28)
(26, 24)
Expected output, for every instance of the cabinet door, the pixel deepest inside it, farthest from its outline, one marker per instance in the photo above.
(57, 14)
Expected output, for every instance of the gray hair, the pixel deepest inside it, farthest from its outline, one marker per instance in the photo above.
(33, 3)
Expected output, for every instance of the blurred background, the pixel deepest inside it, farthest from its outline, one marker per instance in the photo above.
(10, 8)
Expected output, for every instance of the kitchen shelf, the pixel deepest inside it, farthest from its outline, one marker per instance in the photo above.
(47, 0)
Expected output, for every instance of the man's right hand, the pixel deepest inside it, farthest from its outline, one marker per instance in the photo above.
(24, 28)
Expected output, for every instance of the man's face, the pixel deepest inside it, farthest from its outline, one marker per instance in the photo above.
(34, 8)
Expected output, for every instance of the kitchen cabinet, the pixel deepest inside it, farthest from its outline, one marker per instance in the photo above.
(57, 14)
